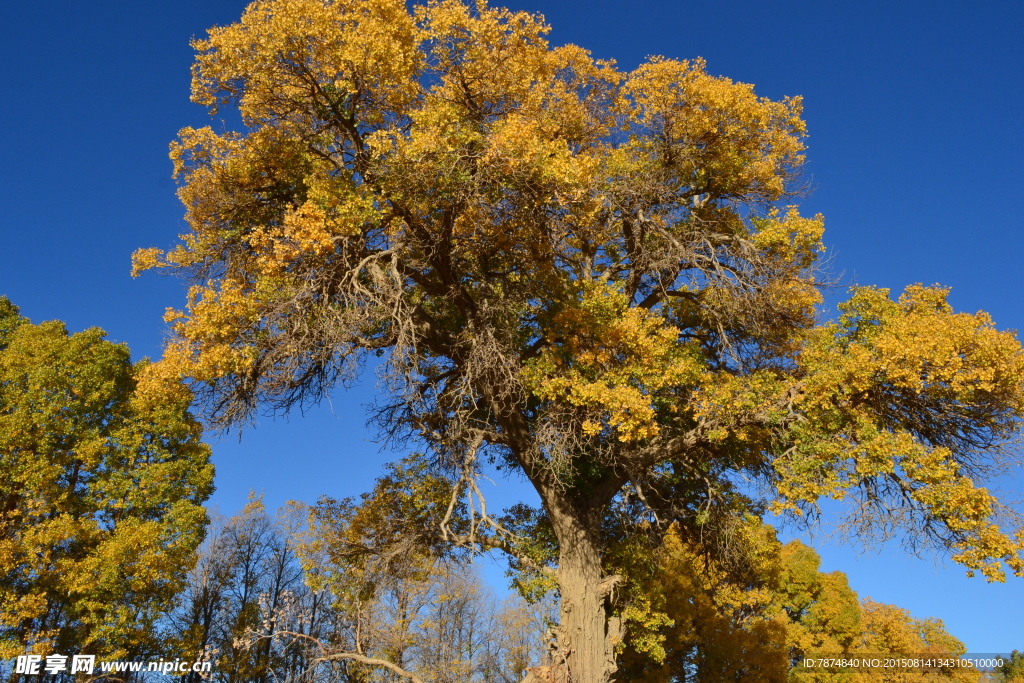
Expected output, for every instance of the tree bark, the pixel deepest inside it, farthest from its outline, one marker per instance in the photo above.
(588, 633)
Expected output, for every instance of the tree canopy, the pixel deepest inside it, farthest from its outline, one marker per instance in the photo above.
(101, 497)
(595, 279)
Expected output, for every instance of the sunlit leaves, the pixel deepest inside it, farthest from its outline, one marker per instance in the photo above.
(612, 361)
(715, 134)
(593, 277)
(901, 399)
(101, 500)
(758, 612)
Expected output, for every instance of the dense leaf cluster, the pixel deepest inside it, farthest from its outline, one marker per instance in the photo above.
(101, 498)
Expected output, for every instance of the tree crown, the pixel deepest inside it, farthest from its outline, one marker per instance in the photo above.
(595, 278)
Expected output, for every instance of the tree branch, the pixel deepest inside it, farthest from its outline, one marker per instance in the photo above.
(351, 656)
(370, 661)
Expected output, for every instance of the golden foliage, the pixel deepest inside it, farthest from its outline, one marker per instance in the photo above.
(757, 613)
(101, 498)
(610, 359)
(362, 116)
(901, 400)
(592, 277)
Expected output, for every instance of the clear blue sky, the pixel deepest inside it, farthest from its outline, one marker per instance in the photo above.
(916, 152)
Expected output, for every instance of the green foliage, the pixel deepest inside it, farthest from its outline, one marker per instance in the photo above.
(1012, 671)
(536, 546)
(102, 492)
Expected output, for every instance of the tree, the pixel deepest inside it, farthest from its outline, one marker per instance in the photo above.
(759, 611)
(246, 588)
(891, 630)
(1012, 669)
(101, 500)
(365, 595)
(406, 599)
(590, 278)
(727, 616)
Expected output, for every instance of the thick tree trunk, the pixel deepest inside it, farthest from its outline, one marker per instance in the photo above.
(587, 633)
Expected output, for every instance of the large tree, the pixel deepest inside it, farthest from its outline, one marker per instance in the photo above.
(101, 494)
(591, 278)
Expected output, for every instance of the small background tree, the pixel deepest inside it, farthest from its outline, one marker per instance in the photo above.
(333, 593)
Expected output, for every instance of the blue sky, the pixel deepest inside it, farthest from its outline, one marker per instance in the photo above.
(915, 158)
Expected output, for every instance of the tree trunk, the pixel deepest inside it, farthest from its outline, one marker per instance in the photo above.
(587, 633)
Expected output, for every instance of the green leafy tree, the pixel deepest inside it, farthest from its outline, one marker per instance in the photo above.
(594, 279)
(101, 494)
(1012, 670)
